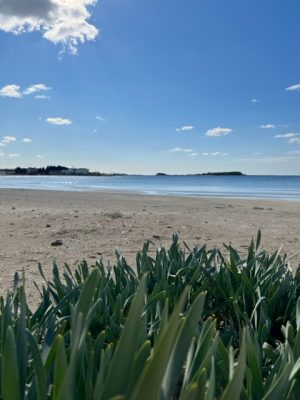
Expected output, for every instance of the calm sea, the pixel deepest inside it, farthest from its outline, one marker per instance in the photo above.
(264, 187)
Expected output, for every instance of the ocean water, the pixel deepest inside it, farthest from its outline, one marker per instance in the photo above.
(262, 187)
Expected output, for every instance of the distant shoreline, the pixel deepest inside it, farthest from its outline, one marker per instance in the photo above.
(59, 170)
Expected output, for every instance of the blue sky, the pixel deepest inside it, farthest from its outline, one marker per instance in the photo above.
(151, 86)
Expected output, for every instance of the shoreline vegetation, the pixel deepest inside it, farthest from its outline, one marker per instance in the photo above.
(61, 170)
(184, 324)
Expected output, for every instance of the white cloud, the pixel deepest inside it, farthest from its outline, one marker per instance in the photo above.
(294, 88)
(39, 156)
(42, 97)
(294, 152)
(256, 153)
(2, 154)
(8, 139)
(218, 131)
(26, 140)
(99, 118)
(292, 137)
(185, 128)
(193, 155)
(14, 90)
(39, 87)
(62, 22)
(13, 155)
(255, 101)
(267, 126)
(215, 153)
(59, 121)
(295, 140)
(180, 149)
(2, 144)
(10, 90)
(286, 135)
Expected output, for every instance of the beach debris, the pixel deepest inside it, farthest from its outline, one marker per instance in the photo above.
(156, 237)
(57, 242)
(48, 226)
(116, 215)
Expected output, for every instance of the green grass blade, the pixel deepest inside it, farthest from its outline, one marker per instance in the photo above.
(10, 370)
(235, 385)
(117, 380)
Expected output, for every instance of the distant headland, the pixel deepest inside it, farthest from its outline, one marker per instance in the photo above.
(54, 170)
(61, 170)
(206, 173)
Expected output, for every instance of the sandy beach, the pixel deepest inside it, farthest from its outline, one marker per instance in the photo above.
(91, 225)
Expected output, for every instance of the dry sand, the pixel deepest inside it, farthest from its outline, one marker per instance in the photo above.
(92, 225)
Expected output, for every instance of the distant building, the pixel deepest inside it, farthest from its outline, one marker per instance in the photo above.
(7, 171)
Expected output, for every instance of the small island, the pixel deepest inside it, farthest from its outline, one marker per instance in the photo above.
(227, 173)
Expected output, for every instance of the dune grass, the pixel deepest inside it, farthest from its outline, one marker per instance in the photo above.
(188, 324)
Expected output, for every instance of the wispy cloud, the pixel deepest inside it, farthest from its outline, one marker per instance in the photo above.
(39, 156)
(255, 101)
(11, 91)
(214, 153)
(218, 131)
(180, 150)
(26, 140)
(59, 121)
(39, 87)
(286, 135)
(13, 155)
(193, 155)
(42, 97)
(99, 118)
(267, 126)
(185, 128)
(294, 140)
(64, 23)
(292, 137)
(8, 139)
(294, 88)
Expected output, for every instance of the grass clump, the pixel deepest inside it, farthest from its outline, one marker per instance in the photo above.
(189, 324)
